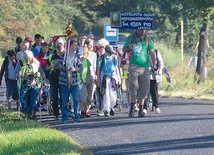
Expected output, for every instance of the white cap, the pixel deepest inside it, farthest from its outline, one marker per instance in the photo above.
(60, 41)
(27, 54)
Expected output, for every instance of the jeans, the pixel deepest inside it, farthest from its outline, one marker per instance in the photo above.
(29, 96)
(65, 92)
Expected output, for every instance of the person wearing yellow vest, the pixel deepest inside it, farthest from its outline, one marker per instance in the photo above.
(84, 78)
(30, 71)
(52, 71)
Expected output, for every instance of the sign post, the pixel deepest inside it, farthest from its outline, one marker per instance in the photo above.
(110, 34)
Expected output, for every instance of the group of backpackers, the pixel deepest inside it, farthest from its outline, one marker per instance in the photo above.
(87, 70)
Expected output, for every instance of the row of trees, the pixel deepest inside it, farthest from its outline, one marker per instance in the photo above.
(49, 17)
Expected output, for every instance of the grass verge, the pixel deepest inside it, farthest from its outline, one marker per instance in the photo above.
(26, 137)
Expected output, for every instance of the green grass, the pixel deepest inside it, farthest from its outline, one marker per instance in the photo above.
(26, 137)
(182, 75)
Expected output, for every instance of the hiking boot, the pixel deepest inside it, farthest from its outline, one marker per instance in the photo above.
(112, 112)
(131, 110)
(140, 112)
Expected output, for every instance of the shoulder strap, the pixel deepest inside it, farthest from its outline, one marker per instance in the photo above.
(147, 42)
(22, 62)
(50, 58)
(102, 62)
(130, 39)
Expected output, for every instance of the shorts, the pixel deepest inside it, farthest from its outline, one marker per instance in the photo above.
(139, 81)
(11, 89)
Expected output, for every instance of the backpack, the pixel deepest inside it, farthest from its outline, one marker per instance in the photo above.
(123, 59)
(103, 61)
(165, 70)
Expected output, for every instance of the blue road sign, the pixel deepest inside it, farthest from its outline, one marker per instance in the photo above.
(132, 20)
(110, 34)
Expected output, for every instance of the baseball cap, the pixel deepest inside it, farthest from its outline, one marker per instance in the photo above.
(90, 36)
(79, 50)
(54, 39)
(29, 39)
(109, 49)
(60, 41)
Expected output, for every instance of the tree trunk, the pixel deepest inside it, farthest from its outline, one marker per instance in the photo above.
(200, 75)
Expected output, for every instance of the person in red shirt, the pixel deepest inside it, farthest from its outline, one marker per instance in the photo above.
(42, 56)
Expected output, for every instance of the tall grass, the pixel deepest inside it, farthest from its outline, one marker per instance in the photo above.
(183, 76)
(26, 137)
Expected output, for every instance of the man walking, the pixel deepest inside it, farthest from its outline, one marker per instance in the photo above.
(142, 51)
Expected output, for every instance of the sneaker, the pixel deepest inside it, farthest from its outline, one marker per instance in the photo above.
(87, 114)
(145, 111)
(100, 113)
(71, 114)
(157, 111)
(106, 113)
(112, 112)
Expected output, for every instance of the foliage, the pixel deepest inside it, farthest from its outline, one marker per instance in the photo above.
(50, 17)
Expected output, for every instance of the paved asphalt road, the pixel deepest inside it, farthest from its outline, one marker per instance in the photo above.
(185, 127)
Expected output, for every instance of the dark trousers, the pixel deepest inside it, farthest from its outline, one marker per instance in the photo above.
(100, 98)
(55, 89)
(154, 94)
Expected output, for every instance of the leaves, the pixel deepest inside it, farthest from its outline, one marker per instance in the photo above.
(50, 17)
